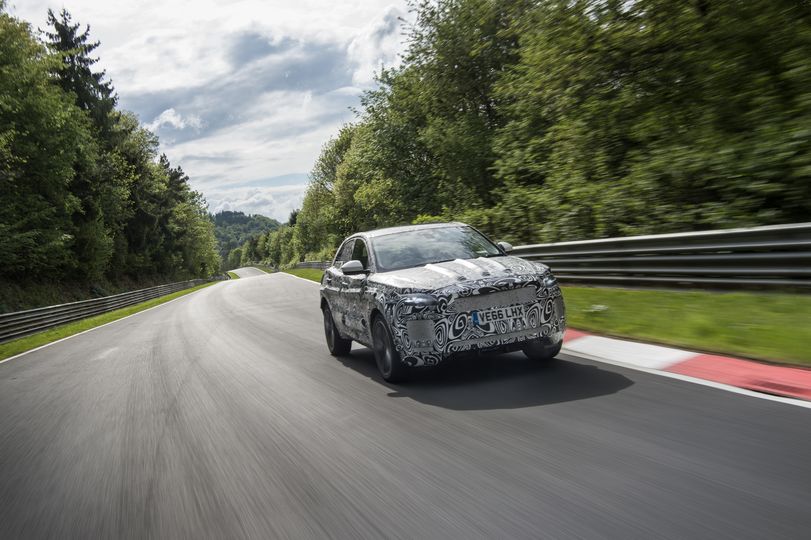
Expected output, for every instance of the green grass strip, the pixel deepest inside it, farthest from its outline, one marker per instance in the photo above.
(755, 325)
(27, 343)
(313, 274)
(233, 275)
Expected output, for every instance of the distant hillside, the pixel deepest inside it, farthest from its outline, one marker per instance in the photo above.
(234, 228)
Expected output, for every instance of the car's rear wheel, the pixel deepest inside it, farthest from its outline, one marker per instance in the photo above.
(542, 349)
(337, 345)
(388, 359)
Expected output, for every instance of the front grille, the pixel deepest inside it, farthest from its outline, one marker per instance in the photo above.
(523, 295)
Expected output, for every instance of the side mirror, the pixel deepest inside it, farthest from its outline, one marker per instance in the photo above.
(506, 247)
(353, 267)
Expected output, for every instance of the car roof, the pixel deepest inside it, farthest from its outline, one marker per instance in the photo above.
(409, 228)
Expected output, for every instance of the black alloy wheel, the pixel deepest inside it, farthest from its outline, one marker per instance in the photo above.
(337, 345)
(388, 360)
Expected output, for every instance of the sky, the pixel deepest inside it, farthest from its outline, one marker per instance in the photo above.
(243, 94)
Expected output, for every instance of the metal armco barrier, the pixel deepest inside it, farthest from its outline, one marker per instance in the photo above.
(320, 265)
(777, 256)
(770, 257)
(23, 323)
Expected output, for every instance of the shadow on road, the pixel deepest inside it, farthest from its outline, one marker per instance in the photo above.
(496, 381)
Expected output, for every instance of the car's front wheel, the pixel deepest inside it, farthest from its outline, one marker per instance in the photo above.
(388, 360)
(542, 349)
(337, 345)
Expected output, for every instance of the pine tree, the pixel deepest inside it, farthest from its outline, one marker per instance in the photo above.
(93, 93)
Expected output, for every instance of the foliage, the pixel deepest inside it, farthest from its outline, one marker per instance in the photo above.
(75, 75)
(83, 194)
(42, 137)
(561, 120)
(233, 229)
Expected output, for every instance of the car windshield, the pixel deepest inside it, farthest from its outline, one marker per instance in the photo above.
(416, 248)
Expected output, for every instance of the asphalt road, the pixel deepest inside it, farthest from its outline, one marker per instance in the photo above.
(221, 415)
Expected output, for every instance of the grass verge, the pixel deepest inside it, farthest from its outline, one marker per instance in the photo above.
(233, 275)
(313, 274)
(27, 343)
(770, 327)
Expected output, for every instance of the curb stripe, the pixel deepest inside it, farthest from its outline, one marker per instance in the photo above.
(779, 380)
(792, 382)
(629, 352)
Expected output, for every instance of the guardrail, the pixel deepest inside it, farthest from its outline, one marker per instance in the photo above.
(777, 256)
(23, 323)
(320, 265)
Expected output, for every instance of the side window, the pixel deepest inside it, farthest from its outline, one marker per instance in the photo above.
(359, 253)
(344, 253)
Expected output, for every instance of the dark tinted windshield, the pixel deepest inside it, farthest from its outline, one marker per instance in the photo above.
(416, 248)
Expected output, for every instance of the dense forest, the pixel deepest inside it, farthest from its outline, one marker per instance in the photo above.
(264, 246)
(84, 196)
(557, 120)
(233, 229)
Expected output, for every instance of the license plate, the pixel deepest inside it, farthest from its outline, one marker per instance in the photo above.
(514, 316)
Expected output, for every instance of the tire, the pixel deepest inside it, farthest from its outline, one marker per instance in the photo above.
(542, 350)
(337, 345)
(388, 360)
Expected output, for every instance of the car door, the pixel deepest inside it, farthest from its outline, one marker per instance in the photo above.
(353, 289)
(334, 284)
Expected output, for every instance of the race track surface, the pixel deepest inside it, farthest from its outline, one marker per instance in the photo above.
(248, 272)
(221, 415)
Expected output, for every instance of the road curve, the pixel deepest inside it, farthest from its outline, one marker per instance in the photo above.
(248, 271)
(221, 415)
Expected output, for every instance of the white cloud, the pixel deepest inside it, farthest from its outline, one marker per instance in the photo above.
(158, 44)
(276, 201)
(242, 90)
(171, 117)
(282, 134)
(377, 45)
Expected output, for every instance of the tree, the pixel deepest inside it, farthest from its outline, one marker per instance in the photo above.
(83, 196)
(655, 116)
(42, 136)
(234, 228)
(457, 52)
(95, 231)
(93, 93)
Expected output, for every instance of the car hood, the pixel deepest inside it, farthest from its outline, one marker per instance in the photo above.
(440, 275)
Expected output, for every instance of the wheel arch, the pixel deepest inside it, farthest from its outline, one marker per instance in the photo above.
(374, 314)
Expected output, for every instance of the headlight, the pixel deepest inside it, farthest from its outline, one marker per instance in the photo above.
(549, 280)
(419, 299)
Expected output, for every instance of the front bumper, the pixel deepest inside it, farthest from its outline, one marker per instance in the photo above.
(426, 337)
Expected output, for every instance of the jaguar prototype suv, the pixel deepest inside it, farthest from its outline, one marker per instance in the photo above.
(419, 294)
